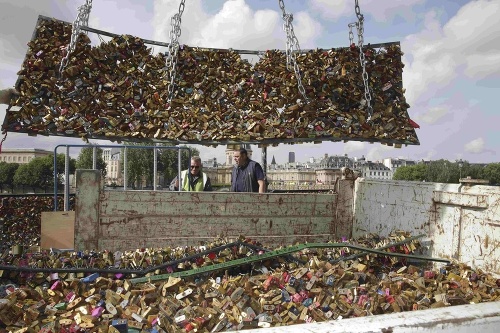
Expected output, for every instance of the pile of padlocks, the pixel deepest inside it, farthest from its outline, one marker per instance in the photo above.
(119, 90)
(189, 291)
(20, 219)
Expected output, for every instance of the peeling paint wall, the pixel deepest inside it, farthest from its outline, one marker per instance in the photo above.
(88, 183)
(461, 222)
(135, 219)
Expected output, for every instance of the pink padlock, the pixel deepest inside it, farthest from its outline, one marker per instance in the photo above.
(362, 299)
(97, 312)
(429, 274)
(70, 297)
(55, 285)
(297, 298)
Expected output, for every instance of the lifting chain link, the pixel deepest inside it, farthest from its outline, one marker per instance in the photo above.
(173, 49)
(292, 47)
(360, 28)
(82, 19)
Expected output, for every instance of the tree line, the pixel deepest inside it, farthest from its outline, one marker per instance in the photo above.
(38, 174)
(444, 171)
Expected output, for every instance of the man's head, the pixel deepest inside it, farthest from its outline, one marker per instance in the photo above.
(195, 165)
(241, 156)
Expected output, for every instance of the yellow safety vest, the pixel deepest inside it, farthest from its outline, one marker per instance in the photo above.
(199, 187)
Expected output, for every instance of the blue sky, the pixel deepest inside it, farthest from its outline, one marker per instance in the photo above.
(452, 59)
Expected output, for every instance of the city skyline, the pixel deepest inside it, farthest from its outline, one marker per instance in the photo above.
(450, 51)
(209, 159)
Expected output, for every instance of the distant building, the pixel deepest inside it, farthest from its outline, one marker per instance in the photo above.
(329, 162)
(291, 177)
(375, 170)
(22, 155)
(114, 173)
(210, 163)
(394, 163)
(291, 157)
(232, 147)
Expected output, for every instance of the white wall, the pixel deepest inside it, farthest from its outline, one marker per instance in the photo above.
(462, 223)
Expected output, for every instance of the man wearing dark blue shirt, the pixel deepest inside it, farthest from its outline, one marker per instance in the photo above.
(247, 175)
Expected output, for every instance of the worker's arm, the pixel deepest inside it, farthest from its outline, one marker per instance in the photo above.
(174, 184)
(262, 186)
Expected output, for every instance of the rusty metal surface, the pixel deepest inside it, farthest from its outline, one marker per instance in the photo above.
(462, 222)
(88, 184)
(345, 208)
(474, 216)
(461, 199)
(136, 219)
(133, 219)
(383, 206)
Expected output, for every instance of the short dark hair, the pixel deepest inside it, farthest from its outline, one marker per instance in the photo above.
(243, 151)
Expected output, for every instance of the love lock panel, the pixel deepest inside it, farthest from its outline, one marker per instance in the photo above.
(119, 90)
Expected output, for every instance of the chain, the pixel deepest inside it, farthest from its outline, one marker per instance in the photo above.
(292, 47)
(362, 60)
(173, 49)
(3, 139)
(82, 19)
(351, 34)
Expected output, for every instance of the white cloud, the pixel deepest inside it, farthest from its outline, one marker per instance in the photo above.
(335, 9)
(430, 154)
(390, 9)
(479, 66)
(306, 29)
(433, 115)
(332, 9)
(193, 18)
(466, 45)
(353, 146)
(235, 25)
(379, 152)
(475, 146)
(475, 25)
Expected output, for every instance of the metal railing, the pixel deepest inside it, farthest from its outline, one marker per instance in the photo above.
(94, 165)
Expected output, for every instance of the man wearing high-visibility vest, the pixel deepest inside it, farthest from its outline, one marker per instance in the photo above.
(193, 180)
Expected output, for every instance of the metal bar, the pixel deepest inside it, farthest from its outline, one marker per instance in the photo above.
(355, 256)
(179, 169)
(94, 158)
(55, 178)
(277, 253)
(252, 142)
(155, 167)
(125, 168)
(95, 167)
(264, 165)
(240, 51)
(138, 147)
(137, 271)
(66, 179)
